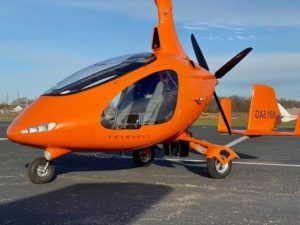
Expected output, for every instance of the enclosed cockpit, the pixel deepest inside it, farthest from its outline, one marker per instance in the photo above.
(151, 100)
(100, 73)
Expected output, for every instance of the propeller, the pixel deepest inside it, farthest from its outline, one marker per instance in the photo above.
(221, 72)
(232, 63)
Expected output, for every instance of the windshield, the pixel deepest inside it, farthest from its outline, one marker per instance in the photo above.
(100, 73)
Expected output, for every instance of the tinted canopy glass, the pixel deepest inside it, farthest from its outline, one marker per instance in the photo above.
(150, 101)
(100, 73)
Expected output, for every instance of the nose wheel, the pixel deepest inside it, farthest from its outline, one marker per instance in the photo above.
(143, 157)
(41, 171)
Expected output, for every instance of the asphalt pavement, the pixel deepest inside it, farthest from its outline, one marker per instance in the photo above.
(263, 187)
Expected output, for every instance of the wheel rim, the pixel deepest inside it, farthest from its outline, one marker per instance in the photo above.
(42, 170)
(221, 168)
(145, 155)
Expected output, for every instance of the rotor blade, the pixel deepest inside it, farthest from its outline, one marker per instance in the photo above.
(200, 57)
(232, 63)
(222, 113)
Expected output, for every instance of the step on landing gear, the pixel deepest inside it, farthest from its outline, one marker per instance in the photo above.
(41, 171)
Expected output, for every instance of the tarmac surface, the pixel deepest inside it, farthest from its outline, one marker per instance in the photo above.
(263, 187)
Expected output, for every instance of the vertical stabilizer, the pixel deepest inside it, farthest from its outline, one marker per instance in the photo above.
(297, 130)
(226, 105)
(264, 113)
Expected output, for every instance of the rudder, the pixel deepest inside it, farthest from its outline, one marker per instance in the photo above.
(264, 113)
(226, 105)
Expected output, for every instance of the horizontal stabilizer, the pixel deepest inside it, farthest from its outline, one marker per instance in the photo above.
(264, 113)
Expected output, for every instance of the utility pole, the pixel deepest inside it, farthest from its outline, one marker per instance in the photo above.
(7, 98)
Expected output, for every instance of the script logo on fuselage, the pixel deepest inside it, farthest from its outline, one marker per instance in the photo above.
(128, 137)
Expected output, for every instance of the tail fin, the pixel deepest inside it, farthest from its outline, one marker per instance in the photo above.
(226, 105)
(297, 128)
(264, 113)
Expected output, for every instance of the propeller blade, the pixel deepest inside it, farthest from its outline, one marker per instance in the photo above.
(232, 63)
(222, 113)
(200, 57)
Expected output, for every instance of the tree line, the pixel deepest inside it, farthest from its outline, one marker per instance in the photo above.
(242, 104)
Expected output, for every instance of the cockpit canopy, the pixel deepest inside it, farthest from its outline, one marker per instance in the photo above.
(100, 73)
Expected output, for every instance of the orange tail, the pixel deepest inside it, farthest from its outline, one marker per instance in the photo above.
(264, 113)
(226, 105)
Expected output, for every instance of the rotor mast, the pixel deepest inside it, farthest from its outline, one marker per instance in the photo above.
(166, 30)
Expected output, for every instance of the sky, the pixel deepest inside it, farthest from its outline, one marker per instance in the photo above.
(43, 41)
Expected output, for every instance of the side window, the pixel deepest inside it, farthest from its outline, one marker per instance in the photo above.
(149, 101)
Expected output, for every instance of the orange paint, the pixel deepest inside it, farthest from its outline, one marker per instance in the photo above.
(128, 103)
(264, 115)
(226, 105)
(77, 116)
(57, 152)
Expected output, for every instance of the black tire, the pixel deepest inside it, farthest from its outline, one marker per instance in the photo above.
(143, 157)
(216, 170)
(35, 173)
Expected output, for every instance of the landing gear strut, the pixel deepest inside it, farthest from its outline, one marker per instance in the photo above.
(41, 171)
(178, 148)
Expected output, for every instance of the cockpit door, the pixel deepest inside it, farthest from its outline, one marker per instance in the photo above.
(149, 101)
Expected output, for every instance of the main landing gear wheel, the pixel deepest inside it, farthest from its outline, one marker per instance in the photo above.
(216, 170)
(41, 171)
(143, 157)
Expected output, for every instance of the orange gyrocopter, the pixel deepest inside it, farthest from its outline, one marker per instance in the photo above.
(136, 102)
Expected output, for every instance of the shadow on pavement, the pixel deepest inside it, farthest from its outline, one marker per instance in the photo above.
(81, 162)
(246, 156)
(108, 203)
(106, 162)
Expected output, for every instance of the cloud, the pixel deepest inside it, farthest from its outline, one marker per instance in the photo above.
(230, 12)
(32, 68)
(280, 70)
(243, 37)
(221, 32)
(206, 26)
(191, 27)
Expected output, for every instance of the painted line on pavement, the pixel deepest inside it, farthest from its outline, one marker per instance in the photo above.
(241, 163)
